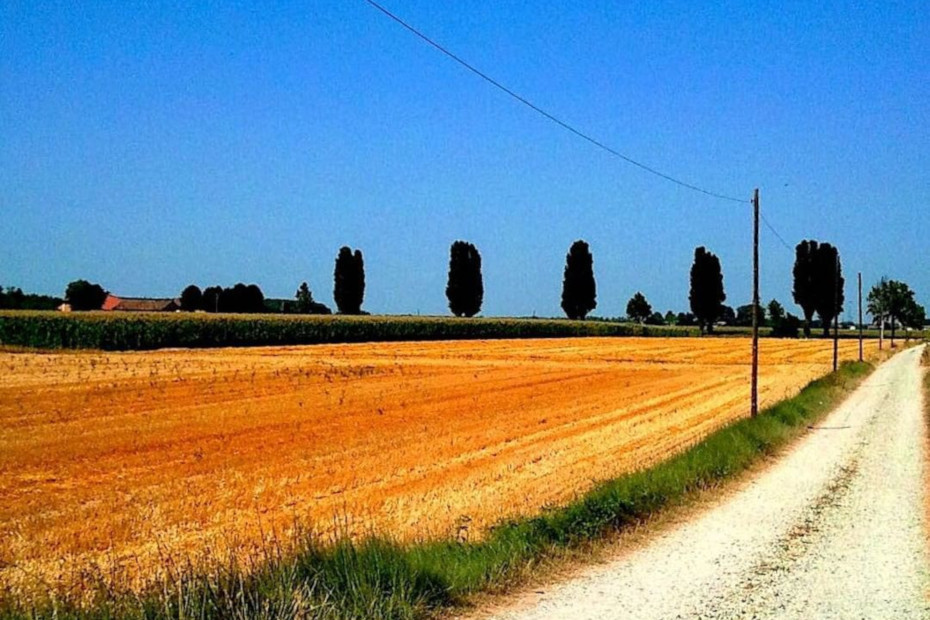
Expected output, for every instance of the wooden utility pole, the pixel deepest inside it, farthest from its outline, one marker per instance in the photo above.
(754, 408)
(860, 316)
(836, 318)
(881, 330)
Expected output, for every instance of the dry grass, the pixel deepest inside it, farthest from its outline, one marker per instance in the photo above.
(130, 465)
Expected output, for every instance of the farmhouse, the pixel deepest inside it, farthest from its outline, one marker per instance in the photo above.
(140, 304)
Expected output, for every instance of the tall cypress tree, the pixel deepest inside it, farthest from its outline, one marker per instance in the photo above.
(707, 294)
(465, 289)
(805, 287)
(818, 283)
(829, 284)
(349, 281)
(579, 290)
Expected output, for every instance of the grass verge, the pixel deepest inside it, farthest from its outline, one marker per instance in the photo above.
(380, 578)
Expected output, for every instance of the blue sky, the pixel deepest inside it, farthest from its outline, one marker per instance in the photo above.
(149, 146)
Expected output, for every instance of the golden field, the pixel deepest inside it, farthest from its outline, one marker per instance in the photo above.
(122, 465)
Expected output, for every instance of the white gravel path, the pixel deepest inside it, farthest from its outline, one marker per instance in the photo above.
(834, 529)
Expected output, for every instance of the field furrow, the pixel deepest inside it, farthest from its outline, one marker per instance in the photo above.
(199, 453)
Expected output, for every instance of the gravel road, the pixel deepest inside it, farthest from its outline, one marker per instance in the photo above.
(834, 529)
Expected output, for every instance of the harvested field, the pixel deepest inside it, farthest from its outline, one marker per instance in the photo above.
(126, 463)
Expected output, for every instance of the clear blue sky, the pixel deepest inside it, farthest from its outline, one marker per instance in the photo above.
(148, 147)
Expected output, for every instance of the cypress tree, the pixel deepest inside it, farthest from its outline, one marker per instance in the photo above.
(805, 287)
(829, 284)
(349, 281)
(465, 289)
(707, 294)
(579, 290)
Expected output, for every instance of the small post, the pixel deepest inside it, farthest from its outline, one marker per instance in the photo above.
(754, 405)
(860, 316)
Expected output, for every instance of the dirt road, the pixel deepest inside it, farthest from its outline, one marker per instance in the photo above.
(833, 530)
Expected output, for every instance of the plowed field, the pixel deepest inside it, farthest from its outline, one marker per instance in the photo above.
(126, 462)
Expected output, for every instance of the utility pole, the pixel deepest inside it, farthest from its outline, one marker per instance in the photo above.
(836, 318)
(860, 316)
(881, 330)
(754, 408)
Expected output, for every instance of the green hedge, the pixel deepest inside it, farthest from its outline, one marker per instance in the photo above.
(122, 332)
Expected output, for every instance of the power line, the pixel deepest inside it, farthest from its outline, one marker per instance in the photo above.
(549, 116)
(775, 232)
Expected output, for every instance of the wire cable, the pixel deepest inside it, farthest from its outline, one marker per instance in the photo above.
(549, 116)
(775, 232)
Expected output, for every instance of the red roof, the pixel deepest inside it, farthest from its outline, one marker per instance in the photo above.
(139, 304)
(110, 302)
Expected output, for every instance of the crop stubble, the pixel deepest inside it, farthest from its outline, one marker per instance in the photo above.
(132, 462)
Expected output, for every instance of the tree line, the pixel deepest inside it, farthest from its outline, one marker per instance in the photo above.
(818, 289)
(348, 292)
(13, 298)
(817, 276)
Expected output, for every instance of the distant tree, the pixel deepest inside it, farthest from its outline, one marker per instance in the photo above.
(241, 298)
(305, 303)
(818, 283)
(894, 300)
(655, 318)
(349, 281)
(914, 315)
(805, 286)
(13, 298)
(319, 308)
(231, 298)
(788, 327)
(210, 300)
(900, 297)
(686, 319)
(638, 309)
(776, 313)
(707, 294)
(727, 316)
(465, 289)
(579, 290)
(782, 326)
(280, 306)
(253, 299)
(828, 278)
(82, 295)
(671, 318)
(304, 298)
(744, 315)
(191, 298)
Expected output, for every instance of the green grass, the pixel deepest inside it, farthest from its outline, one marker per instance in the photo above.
(115, 331)
(380, 578)
(127, 331)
